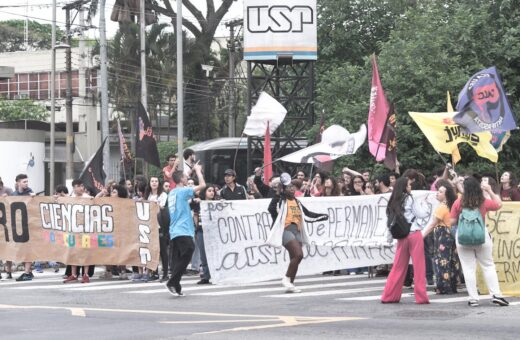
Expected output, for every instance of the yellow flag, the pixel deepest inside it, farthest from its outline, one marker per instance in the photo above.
(445, 135)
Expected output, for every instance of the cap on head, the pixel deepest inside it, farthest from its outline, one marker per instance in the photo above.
(230, 172)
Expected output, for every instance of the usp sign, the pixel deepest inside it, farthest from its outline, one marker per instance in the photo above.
(274, 29)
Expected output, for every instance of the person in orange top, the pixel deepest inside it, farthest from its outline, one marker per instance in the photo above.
(289, 217)
(445, 261)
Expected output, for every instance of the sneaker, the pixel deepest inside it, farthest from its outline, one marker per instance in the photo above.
(293, 289)
(474, 303)
(500, 301)
(38, 267)
(286, 282)
(25, 277)
(31, 275)
(106, 276)
(154, 277)
(71, 279)
(173, 291)
(137, 277)
(85, 279)
(203, 282)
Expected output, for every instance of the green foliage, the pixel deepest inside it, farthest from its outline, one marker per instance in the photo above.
(12, 35)
(431, 48)
(21, 109)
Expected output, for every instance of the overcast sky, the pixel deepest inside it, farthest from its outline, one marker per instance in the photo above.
(41, 11)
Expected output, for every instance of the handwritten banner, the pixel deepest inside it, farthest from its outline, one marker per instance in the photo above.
(235, 233)
(504, 227)
(79, 231)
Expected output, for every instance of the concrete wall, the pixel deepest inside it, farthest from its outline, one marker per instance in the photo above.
(22, 151)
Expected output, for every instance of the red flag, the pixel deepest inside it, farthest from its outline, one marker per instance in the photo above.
(123, 147)
(377, 115)
(268, 166)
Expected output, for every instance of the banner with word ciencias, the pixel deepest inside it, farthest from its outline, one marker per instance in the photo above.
(235, 234)
(79, 231)
(504, 227)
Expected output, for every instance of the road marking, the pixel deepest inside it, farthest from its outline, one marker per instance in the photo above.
(323, 292)
(315, 286)
(68, 286)
(218, 321)
(77, 312)
(378, 297)
(287, 321)
(261, 284)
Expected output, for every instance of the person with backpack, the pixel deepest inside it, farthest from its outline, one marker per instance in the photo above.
(403, 214)
(473, 241)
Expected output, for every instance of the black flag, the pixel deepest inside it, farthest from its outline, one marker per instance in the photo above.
(93, 175)
(146, 147)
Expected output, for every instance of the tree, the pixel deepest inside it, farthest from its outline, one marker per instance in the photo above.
(433, 46)
(22, 109)
(12, 35)
(198, 92)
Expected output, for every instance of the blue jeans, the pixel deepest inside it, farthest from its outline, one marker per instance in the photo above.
(205, 275)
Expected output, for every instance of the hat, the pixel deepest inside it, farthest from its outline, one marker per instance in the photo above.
(230, 172)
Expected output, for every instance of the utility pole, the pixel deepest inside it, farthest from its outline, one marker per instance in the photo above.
(104, 82)
(53, 98)
(68, 101)
(142, 31)
(180, 85)
(231, 48)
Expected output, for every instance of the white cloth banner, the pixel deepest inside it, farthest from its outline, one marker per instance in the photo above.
(336, 141)
(267, 109)
(235, 233)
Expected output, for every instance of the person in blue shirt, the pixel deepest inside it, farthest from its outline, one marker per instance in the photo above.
(182, 229)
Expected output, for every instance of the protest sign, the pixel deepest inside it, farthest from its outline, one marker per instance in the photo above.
(79, 231)
(504, 227)
(235, 234)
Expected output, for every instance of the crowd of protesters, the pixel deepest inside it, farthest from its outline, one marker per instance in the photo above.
(436, 255)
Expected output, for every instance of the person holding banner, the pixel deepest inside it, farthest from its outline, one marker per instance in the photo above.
(289, 229)
(473, 198)
(182, 230)
(402, 203)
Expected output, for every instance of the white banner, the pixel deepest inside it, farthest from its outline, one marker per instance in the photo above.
(274, 28)
(235, 233)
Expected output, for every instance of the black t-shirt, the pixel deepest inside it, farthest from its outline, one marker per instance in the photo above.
(232, 195)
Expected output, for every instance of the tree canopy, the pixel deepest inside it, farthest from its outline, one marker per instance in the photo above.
(12, 35)
(21, 109)
(430, 47)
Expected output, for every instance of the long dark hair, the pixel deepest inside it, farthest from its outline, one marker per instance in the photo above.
(148, 190)
(395, 204)
(203, 192)
(450, 191)
(472, 198)
(334, 190)
(353, 191)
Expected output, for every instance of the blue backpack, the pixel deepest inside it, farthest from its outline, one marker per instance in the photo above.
(471, 230)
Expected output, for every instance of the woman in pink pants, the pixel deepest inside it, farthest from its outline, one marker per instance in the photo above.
(402, 202)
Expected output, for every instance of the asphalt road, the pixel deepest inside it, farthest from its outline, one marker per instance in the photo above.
(344, 306)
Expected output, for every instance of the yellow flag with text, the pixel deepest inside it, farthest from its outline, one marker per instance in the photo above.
(444, 134)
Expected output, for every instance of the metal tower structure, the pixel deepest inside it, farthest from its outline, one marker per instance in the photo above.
(291, 82)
